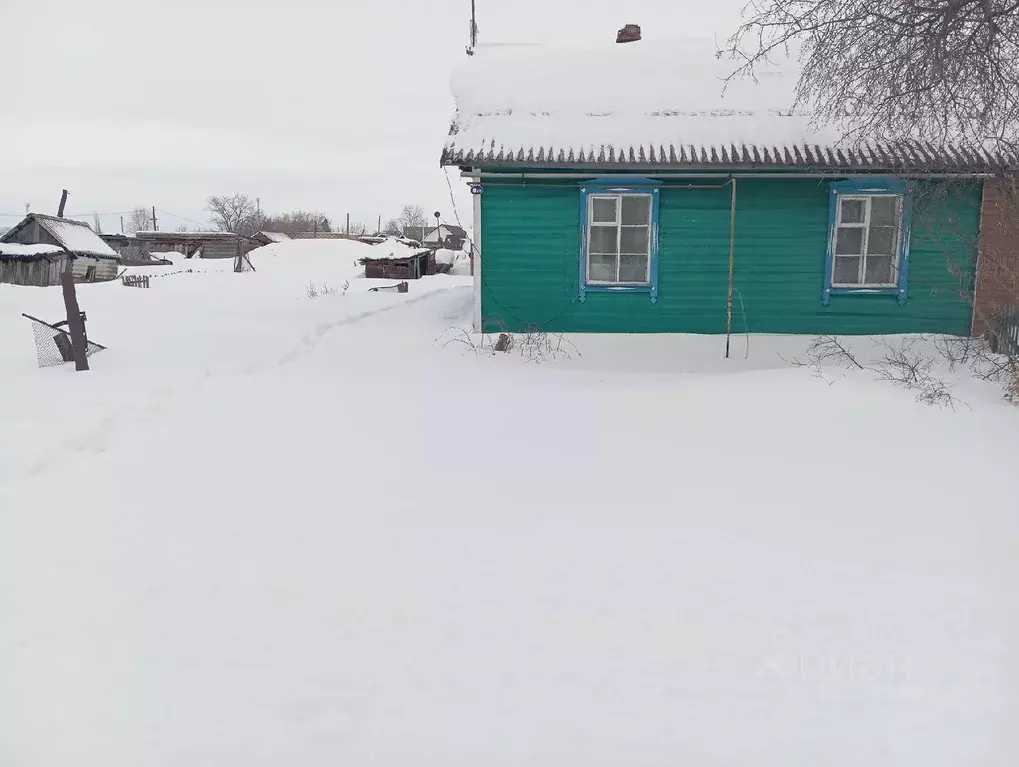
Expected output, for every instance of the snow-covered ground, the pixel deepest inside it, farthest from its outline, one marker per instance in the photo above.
(273, 529)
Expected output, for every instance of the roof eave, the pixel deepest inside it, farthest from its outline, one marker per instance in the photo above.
(484, 165)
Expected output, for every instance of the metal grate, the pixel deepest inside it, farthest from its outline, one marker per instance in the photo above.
(53, 344)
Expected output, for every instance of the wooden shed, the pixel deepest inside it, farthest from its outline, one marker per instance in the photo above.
(197, 244)
(48, 242)
(131, 251)
(393, 259)
(36, 265)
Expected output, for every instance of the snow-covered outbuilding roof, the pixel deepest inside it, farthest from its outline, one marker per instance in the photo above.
(73, 236)
(28, 252)
(651, 104)
(393, 248)
(433, 235)
(275, 236)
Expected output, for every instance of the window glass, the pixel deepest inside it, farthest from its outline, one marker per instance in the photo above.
(847, 270)
(633, 268)
(881, 240)
(633, 239)
(636, 210)
(849, 241)
(603, 210)
(603, 239)
(884, 211)
(852, 211)
(879, 270)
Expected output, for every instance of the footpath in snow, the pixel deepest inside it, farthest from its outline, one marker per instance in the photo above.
(274, 529)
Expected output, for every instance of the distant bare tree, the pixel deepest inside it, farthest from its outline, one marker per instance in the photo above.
(412, 215)
(393, 227)
(237, 213)
(296, 221)
(138, 221)
(945, 71)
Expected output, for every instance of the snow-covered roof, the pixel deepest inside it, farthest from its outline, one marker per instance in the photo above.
(76, 236)
(186, 236)
(444, 256)
(73, 236)
(648, 104)
(275, 236)
(17, 250)
(447, 230)
(393, 248)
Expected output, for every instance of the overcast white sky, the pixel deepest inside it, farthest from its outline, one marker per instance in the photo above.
(335, 106)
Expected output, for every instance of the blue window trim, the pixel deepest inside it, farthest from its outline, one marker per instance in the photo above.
(863, 186)
(620, 185)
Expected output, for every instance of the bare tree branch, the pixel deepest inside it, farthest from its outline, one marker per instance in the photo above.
(943, 71)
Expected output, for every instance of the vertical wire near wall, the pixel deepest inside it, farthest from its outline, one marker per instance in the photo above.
(732, 266)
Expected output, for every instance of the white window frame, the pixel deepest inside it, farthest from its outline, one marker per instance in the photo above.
(896, 254)
(618, 224)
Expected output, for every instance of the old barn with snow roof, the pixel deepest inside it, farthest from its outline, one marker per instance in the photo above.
(397, 258)
(628, 189)
(36, 252)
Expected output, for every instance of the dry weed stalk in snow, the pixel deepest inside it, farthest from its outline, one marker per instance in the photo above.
(325, 289)
(535, 346)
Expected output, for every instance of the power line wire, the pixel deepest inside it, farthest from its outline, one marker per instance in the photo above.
(182, 218)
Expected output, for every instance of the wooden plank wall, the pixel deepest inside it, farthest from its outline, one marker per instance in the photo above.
(38, 273)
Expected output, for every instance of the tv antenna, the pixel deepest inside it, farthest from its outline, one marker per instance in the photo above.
(473, 31)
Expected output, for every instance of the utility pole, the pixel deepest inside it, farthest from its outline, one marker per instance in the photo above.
(74, 322)
(348, 226)
(121, 224)
(378, 232)
(155, 227)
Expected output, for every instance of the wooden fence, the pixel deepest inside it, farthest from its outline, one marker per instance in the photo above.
(135, 280)
(1005, 336)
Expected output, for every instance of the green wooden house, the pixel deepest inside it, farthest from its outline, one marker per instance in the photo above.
(629, 189)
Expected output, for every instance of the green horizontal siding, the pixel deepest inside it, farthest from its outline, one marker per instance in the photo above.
(531, 247)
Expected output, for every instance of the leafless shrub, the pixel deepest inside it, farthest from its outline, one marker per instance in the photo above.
(909, 367)
(1002, 369)
(824, 350)
(959, 350)
(905, 365)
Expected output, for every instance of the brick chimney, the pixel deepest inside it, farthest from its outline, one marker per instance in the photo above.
(628, 34)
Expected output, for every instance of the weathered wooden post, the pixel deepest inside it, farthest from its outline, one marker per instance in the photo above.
(75, 325)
